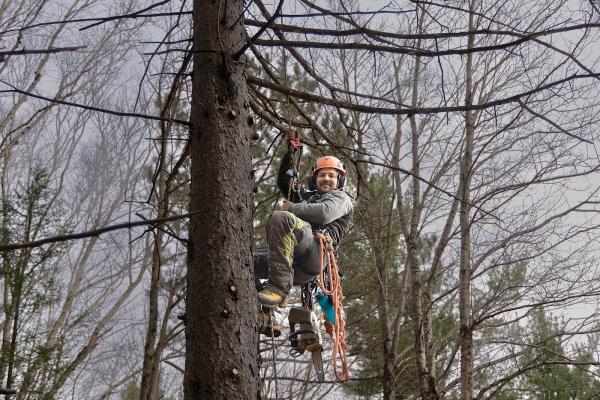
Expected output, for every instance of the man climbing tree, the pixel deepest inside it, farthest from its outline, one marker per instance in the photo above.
(293, 251)
(221, 334)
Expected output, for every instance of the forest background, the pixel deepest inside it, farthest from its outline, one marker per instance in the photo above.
(469, 130)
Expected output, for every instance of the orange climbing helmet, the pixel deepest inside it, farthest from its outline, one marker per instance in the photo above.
(329, 162)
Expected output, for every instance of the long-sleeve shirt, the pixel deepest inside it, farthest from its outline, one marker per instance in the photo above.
(322, 209)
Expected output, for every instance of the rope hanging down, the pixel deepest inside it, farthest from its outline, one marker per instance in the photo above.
(338, 331)
(294, 144)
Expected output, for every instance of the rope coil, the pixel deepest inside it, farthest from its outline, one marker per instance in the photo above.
(338, 330)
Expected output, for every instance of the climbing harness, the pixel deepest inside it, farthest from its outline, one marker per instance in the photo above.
(331, 286)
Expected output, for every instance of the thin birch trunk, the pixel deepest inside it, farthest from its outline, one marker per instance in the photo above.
(465, 306)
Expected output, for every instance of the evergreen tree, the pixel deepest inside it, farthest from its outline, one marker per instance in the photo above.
(560, 376)
(30, 277)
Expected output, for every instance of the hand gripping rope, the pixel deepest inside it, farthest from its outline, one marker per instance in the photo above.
(338, 331)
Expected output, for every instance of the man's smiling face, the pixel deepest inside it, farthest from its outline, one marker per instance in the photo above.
(326, 180)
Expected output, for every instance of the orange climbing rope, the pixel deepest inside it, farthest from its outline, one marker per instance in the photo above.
(338, 331)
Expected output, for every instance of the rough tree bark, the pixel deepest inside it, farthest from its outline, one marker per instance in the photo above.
(221, 335)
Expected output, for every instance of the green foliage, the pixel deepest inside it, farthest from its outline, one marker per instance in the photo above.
(559, 376)
(361, 288)
(131, 391)
(28, 216)
(554, 368)
(30, 275)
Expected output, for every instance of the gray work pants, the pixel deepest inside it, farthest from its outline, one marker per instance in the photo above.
(293, 251)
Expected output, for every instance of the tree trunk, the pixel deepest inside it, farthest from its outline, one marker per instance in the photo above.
(6, 303)
(420, 312)
(150, 375)
(464, 295)
(221, 333)
(149, 388)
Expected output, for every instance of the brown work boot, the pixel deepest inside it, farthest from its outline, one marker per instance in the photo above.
(271, 297)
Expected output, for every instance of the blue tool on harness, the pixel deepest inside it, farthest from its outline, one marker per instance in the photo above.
(326, 303)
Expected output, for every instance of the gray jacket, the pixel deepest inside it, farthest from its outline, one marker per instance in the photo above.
(331, 212)
(322, 209)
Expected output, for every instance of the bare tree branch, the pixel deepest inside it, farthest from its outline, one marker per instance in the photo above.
(90, 108)
(131, 15)
(420, 110)
(241, 51)
(95, 232)
(554, 124)
(24, 52)
(78, 20)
